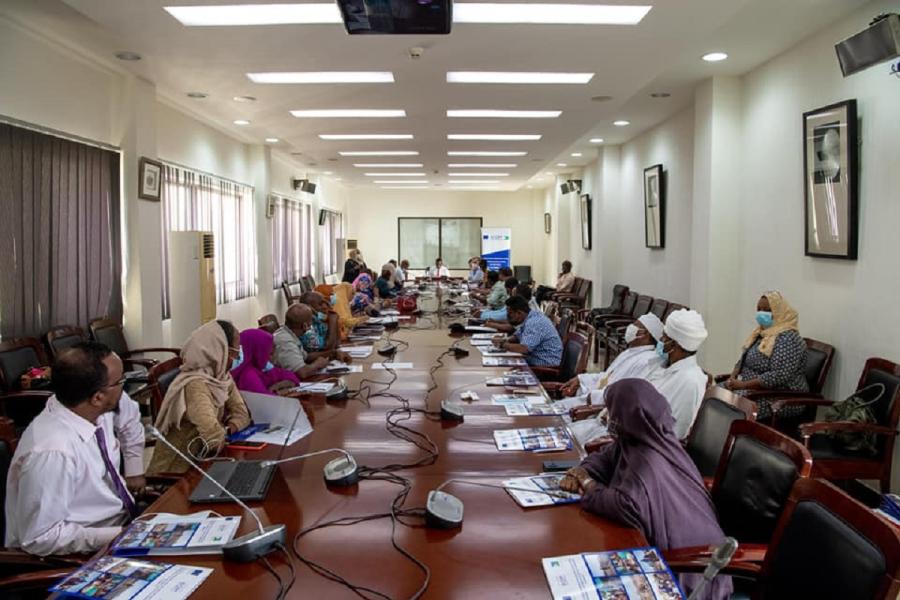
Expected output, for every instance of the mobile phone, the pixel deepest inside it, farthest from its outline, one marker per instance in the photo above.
(245, 445)
(559, 465)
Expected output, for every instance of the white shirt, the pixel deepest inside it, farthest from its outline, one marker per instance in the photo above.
(59, 498)
(436, 272)
(399, 276)
(630, 363)
(683, 385)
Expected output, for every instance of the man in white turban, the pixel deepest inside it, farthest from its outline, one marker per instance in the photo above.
(679, 378)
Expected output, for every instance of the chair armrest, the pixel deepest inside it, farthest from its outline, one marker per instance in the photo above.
(13, 556)
(805, 400)
(580, 413)
(542, 373)
(597, 443)
(147, 363)
(34, 580)
(746, 570)
(746, 553)
(175, 351)
(721, 377)
(553, 388)
(779, 394)
(807, 430)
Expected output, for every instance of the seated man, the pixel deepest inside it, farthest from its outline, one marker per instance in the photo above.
(65, 493)
(398, 275)
(679, 378)
(636, 361)
(535, 336)
(486, 314)
(564, 283)
(476, 275)
(384, 285)
(438, 270)
(289, 351)
(499, 319)
(497, 295)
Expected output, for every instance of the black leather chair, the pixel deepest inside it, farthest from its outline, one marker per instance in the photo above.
(611, 326)
(109, 331)
(619, 292)
(826, 546)
(756, 471)
(159, 378)
(17, 355)
(62, 337)
(706, 440)
(576, 350)
(268, 323)
(615, 340)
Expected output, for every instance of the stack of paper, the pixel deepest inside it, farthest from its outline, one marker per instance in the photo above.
(337, 367)
(357, 351)
(502, 361)
(504, 399)
(164, 534)
(314, 387)
(490, 350)
(545, 482)
(535, 439)
(534, 410)
(636, 574)
(124, 578)
(480, 329)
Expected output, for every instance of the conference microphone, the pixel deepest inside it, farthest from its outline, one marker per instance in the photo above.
(445, 511)
(341, 471)
(720, 558)
(246, 548)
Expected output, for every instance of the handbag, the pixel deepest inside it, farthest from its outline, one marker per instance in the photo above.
(407, 304)
(856, 409)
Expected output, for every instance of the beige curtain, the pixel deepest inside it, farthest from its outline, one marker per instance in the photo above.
(291, 240)
(59, 232)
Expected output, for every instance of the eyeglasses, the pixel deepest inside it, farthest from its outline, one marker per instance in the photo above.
(116, 383)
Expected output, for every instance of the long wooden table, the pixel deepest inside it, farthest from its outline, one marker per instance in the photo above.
(497, 552)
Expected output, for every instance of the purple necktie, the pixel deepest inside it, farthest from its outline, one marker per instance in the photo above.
(121, 492)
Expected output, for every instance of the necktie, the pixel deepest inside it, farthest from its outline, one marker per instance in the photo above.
(121, 492)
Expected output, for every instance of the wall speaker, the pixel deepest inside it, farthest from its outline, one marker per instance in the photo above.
(564, 188)
(321, 217)
(876, 44)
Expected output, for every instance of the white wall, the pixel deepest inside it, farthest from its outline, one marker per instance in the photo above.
(374, 216)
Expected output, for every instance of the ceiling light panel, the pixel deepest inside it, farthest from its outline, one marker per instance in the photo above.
(388, 165)
(482, 165)
(323, 77)
(494, 137)
(517, 77)
(379, 153)
(366, 136)
(484, 153)
(504, 114)
(478, 174)
(558, 14)
(255, 14)
(404, 187)
(348, 113)
(395, 175)
(398, 181)
(475, 181)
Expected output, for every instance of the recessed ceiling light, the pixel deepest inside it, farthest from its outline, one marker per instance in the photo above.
(477, 174)
(323, 76)
(272, 140)
(561, 165)
(475, 181)
(244, 98)
(596, 140)
(601, 98)
(660, 95)
(197, 95)
(548, 173)
(241, 122)
(328, 173)
(484, 153)
(255, 14)
(557, 14)
(621, 123)
(504, 114)
(395, 175)
(379, 153)
(517, 77)
(404, 187)
(715, 56)
(404, 181)
(366, 136)
(482, 165)
(528, 186)
(128, 55)
(494, 137)
(347, 113)
(576, 154)
(388, 165)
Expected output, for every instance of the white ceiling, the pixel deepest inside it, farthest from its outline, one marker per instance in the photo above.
(662, 53)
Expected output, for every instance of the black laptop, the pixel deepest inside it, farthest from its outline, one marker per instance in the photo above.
(247, 479)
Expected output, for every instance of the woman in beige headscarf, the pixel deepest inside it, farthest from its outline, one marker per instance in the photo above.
(202, 405)
(774, 356)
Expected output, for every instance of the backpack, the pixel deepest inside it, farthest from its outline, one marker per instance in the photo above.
(855, 409)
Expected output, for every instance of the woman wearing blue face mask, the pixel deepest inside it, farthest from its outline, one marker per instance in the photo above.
(773, 357)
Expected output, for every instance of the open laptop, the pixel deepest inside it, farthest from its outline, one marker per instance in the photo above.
(246, 479)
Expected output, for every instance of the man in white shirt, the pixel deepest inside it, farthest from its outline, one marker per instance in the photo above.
(398, 277)
(438, 270)
(64, 490)
(682, 382)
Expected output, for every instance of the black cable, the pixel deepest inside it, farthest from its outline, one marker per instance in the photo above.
(272, 570)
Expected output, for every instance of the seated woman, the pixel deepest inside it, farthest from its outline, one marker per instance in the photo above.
(773, 357)
(476, 274)
(343, 295)
(202, 405)
(254, 372)
(363, 294)
(353, 265)
(645, 479)
(384, 286)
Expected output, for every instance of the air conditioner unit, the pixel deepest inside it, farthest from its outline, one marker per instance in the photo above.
(192, 281)
(344, 246)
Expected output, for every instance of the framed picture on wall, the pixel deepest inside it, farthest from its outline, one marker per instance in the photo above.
(830, 166)
(149, 179)
(586, 221)
(546, 222)
(654, 208)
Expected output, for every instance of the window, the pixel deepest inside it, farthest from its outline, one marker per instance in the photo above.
(332, 231)
(199, 202)
(291, 240)
(456, 240)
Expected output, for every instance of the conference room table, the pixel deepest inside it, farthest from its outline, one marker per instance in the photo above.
(495, 554)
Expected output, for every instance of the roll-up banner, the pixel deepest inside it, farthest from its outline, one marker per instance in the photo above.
(496, 244)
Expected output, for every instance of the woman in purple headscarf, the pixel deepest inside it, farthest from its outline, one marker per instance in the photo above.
(254, 372)
(646, 480)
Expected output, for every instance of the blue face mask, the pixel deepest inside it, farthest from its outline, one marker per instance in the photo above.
(333, 299)
(661, 351)
(320, 316)
(764, 318)
(269, 366)
(237, 362)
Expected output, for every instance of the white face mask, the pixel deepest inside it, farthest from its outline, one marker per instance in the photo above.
(631, 333)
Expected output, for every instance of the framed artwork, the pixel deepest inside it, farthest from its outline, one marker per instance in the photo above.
(586, 221)
(654, 208)
(149, 179)
(830, 167)
(546, 222)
